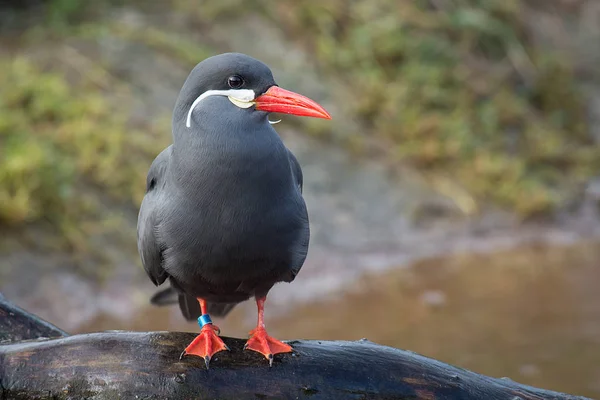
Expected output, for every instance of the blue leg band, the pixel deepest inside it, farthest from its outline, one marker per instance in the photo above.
(203, 320)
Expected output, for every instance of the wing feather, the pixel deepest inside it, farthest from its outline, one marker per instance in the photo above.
(296, 170)
(301, 247)
(149, 246)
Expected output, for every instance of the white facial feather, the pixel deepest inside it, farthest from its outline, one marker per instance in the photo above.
(242, 98)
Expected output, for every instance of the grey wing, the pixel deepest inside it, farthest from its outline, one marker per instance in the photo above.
(296, 170)
(301, 247)
(149, 246)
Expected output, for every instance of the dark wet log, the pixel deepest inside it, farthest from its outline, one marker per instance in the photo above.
(17, 324)
(146, 366)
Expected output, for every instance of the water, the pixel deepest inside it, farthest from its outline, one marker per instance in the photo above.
(531, 314)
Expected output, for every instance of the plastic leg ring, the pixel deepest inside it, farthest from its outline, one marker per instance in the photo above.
(203, 320)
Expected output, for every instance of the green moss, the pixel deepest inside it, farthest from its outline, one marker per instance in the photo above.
(61, 11)
(180, 48)
(456, 91)
(58, 143)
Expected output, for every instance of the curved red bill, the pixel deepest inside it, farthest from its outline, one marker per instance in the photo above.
(283, 101)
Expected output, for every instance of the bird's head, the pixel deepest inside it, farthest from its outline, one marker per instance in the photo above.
(247, 83)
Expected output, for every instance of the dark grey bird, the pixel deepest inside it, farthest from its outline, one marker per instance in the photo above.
(223, 218)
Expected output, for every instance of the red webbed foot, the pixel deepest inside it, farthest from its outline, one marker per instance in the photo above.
(264, 344)
(261, 342)
(207, 343)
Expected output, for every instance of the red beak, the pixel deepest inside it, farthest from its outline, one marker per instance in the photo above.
(283, 101)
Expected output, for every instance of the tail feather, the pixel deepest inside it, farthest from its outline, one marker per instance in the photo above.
(188, 304)
(190, 308)
(165, 297)
(220, 309)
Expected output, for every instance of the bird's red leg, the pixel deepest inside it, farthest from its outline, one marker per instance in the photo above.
(261, 342)
(207, 343)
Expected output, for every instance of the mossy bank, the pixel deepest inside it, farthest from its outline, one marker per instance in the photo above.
(458, 92)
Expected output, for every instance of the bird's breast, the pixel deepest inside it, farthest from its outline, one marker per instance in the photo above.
(235, 199)
(233, 206)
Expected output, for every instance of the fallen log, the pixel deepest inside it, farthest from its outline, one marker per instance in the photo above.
(146, 365)
(17, 324)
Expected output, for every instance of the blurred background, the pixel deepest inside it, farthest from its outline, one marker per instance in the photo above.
(454, 197)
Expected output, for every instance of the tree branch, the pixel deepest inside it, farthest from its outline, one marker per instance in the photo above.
(17, 324)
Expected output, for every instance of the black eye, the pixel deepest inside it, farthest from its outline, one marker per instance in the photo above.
(235, 81)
